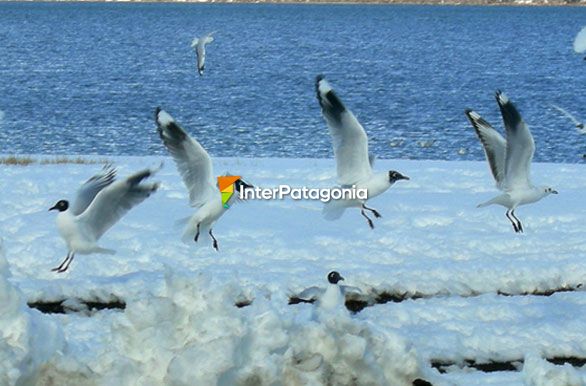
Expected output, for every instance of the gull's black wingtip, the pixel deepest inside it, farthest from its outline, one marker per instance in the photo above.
(467, 112)
(157, 111)
(318, 79)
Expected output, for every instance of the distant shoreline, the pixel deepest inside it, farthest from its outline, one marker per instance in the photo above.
(491, 3)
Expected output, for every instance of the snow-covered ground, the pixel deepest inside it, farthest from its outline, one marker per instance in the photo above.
(452, 261)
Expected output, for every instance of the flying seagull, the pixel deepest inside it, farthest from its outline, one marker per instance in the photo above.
(579, 125)
(353, 163)
(509, 159)
(199, 45)
(100, 203)
(195, 166)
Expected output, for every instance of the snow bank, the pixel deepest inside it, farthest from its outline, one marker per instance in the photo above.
(432, 241)
(538, 372)
(194, 334)
(28, 339)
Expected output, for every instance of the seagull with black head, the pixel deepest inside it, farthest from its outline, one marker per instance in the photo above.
(100, 203)
(353, 162)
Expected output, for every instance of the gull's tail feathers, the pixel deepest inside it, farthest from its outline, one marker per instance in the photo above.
(104, 251)
(190, 230)
(182, 222)
(498, 200)
(332, 210)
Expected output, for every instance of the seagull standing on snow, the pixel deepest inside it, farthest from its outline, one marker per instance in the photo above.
(100, 203)
(333, 297)
(353, 163)
(579, 125)
(509, 159)
(195, 166)
(313, 294)
(199, 45)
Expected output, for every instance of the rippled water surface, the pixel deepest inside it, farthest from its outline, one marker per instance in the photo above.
(86, 78)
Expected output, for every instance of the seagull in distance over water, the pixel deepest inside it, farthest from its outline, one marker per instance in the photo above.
(509, 159)
(199, 45)
(353, 162)
(100, 203)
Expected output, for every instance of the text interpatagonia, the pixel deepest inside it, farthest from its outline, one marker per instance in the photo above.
(304, 193)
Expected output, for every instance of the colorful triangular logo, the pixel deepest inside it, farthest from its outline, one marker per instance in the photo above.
(226, 186)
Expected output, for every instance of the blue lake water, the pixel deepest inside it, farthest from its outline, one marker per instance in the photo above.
(86, 78)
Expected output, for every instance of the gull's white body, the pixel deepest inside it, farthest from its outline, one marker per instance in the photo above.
(376, 184)
(78, 240)
(509, 159)
(332, 298)
(199, 45)
(516, 198)
(350, 142)
(206, 216)
(314, 293)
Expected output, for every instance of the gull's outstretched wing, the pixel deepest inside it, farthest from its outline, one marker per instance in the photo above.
(494, 146)
(193, 162)
(88, 191)
(348, 136)
(520, 145)
(580, 41)
(208, 38)
(114, 201)
(567, 115)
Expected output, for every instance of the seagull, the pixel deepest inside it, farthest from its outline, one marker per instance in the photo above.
(199, 45)
(579, 125)
(425, 143)
(396, 142)
(353, 163)
(195, 166)
(580, 42)
(333, 296)
(509, 159)
(312, 294)
(101, 201)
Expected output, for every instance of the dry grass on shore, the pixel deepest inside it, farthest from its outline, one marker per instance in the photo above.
(15, 160)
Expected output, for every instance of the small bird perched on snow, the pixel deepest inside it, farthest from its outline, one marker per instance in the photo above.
(196, 169)
(353, 163)
(100, 203)
(509, 159)
(313, 294)
(199, 45)
(333, 297)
